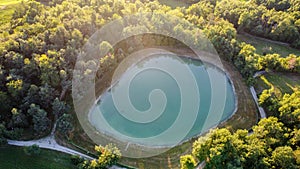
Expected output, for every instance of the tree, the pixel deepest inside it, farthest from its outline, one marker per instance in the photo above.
(76, 160)
(47, 95)
(64, 124)
(58, 108)
(41, 123)
(13, 60)
(200, 9)
(5, 103)
(253, 152)
(59, 37)
(271, 145)
(32, 150)
(271, 131)
(290, 109)
(276, 4)
(15, 88)
(218, 150)
(32, 97)
(18, 118)
(222, 35)
(230, 10)
(108, 155)
(187, 162)
(283, 157)
(48, 64)
(249, 58)
(31, 71)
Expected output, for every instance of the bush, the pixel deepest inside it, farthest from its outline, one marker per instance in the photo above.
(76, 160)
(32, 150)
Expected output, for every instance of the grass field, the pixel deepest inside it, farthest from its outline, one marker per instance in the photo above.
(261, 45)
(174, 3)
(12, 157)
(282, 83)
(7, 8)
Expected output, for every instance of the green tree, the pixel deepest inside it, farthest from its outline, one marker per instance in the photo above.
(58, 108)
(290, 109)
(222, 35)
(271, 131)
(15, 88)
(187, 162)
(5, 103)
(41, 123)
(32, 150)
(47, 64)
(230, 10)
(108, 155)
(276, 4)
(18, 118)
(283, 157)
(218, 150)
(47, 95)
(64, 124)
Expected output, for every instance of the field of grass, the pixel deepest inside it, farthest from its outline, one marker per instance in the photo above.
(7, 8)
(262, 45)
(12, 157)
(174, 3)
(282, 83)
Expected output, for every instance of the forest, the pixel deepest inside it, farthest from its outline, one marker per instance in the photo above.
(40, 43)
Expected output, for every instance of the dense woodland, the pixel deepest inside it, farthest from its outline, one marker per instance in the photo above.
(39, 48)
(273, 143)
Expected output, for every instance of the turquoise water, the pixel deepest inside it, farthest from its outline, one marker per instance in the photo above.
(208, 78)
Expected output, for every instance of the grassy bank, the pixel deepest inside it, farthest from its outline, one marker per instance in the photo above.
(12, 157)
(262, 45)
(282, 83)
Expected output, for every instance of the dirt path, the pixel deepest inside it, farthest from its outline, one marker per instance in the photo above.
(50, 143)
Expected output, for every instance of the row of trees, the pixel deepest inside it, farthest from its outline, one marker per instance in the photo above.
(274, 142)
(273, 19)
(249, 62)
(107, 156)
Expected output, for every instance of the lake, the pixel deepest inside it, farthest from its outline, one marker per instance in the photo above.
(150, 105)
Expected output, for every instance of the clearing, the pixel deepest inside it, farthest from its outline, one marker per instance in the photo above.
(264, 45)
(282, 83)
